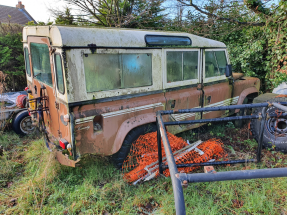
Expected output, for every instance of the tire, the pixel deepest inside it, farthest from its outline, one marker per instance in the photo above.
(275, 130)
(22, 123)
(242, 112)
(119, 157)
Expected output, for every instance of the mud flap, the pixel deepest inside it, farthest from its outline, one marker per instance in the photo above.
(64, 160)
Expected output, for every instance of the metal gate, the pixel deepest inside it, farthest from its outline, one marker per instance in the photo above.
(179, 179)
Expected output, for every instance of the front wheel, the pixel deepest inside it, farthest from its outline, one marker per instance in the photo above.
(22, 123)
(275, 129)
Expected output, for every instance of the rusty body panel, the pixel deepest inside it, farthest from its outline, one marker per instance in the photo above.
(64, 159)
(116, 118)
(183, 99)
(217, 94)
(237, 76)
(98, 121)
(52, 116)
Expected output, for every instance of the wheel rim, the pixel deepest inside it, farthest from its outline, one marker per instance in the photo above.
(26, 125)
(277, 126)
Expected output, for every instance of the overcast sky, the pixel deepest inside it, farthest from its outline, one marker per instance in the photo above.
(37, 8)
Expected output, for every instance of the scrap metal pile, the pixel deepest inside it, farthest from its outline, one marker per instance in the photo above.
(142, 162)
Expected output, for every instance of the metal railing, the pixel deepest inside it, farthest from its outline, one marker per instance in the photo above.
(178, 179)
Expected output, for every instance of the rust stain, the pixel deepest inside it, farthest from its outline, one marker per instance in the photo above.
(64, 160)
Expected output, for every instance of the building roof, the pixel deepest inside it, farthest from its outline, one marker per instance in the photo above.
(118, 37)
(14, 15)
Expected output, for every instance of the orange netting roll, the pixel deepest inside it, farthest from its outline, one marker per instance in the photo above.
(142, 161)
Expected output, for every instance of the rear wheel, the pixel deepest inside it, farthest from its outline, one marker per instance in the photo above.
(22, 123)
(133, 135)
(275, 129)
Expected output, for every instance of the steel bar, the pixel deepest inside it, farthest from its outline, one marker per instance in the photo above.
(72, 127)
(176, 184)
(212, 163)
(219, 119)
(260, 140)
(231, 107)
(175, 153)
(284, 108)
(159, 148)
(212, 120)
(233, 175)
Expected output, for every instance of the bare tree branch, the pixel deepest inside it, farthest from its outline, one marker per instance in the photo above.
(221, 18)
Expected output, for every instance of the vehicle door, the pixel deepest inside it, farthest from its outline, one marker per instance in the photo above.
(181, 78)
(43, 79)
(216, 88)
(61, 95)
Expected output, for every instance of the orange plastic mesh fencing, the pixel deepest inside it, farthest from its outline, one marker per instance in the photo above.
(142, 161)
(281, 96)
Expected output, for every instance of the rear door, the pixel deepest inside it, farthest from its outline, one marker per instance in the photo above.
(61, 95)
(181, 78)
(43, 77)
(216, 88)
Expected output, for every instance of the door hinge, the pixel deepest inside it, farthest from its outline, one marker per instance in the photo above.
(57, 105)
(199, 86)
(59, 133)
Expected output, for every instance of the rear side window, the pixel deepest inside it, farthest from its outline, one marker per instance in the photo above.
(41, 63)
(59, 74)
(117, 71)
(215, 63)
(181, 66)
(27, 62)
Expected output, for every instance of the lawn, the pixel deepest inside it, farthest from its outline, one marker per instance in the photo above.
(32, 182)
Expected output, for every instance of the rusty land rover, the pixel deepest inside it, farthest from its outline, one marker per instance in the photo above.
(95, 90)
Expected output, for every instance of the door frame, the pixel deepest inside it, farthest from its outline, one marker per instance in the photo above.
(179, 83)
(215, 78)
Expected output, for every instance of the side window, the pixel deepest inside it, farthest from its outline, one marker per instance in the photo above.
(27, 62)
(215, 63)
(222, 61)
(181, 66)
(59, 73)
(116, 71)
(136, 70)
(41, 63)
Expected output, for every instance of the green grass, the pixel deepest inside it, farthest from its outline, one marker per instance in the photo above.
(43, 186)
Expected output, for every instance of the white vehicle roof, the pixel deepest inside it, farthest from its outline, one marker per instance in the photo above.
(118, 37)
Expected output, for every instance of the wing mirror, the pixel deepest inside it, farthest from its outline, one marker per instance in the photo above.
(228, 71)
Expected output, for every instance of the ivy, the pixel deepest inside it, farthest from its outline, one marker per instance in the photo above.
(11, 57)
